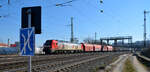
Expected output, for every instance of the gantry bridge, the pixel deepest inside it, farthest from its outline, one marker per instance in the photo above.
(116, 39)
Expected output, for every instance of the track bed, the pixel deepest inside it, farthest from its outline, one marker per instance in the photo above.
(78, 62)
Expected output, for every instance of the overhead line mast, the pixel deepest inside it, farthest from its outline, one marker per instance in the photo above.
(95, 37)
(145, 12)
(72, 38)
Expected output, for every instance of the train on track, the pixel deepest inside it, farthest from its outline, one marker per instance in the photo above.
(55, 46)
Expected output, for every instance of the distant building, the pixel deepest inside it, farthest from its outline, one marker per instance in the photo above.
(16, 44)
(12, 45)
(3, 45)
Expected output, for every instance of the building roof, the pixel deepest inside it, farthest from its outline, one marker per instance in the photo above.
(3, 45)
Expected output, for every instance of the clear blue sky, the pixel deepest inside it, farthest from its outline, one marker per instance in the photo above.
(120, 18)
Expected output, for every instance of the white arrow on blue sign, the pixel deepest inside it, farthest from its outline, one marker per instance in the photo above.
(27, 41)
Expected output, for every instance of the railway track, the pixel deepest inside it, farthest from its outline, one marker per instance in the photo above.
(20, 61)
(9, 59)
(54, 63)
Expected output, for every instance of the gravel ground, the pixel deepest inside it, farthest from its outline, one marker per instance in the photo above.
(99, 63)
(90, 66)
(138, 66)
(118, 65)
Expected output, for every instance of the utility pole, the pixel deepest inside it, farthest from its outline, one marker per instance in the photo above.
(8, 42)
(8, 2)
(95, 37)
(145, 12)
(72, 38)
